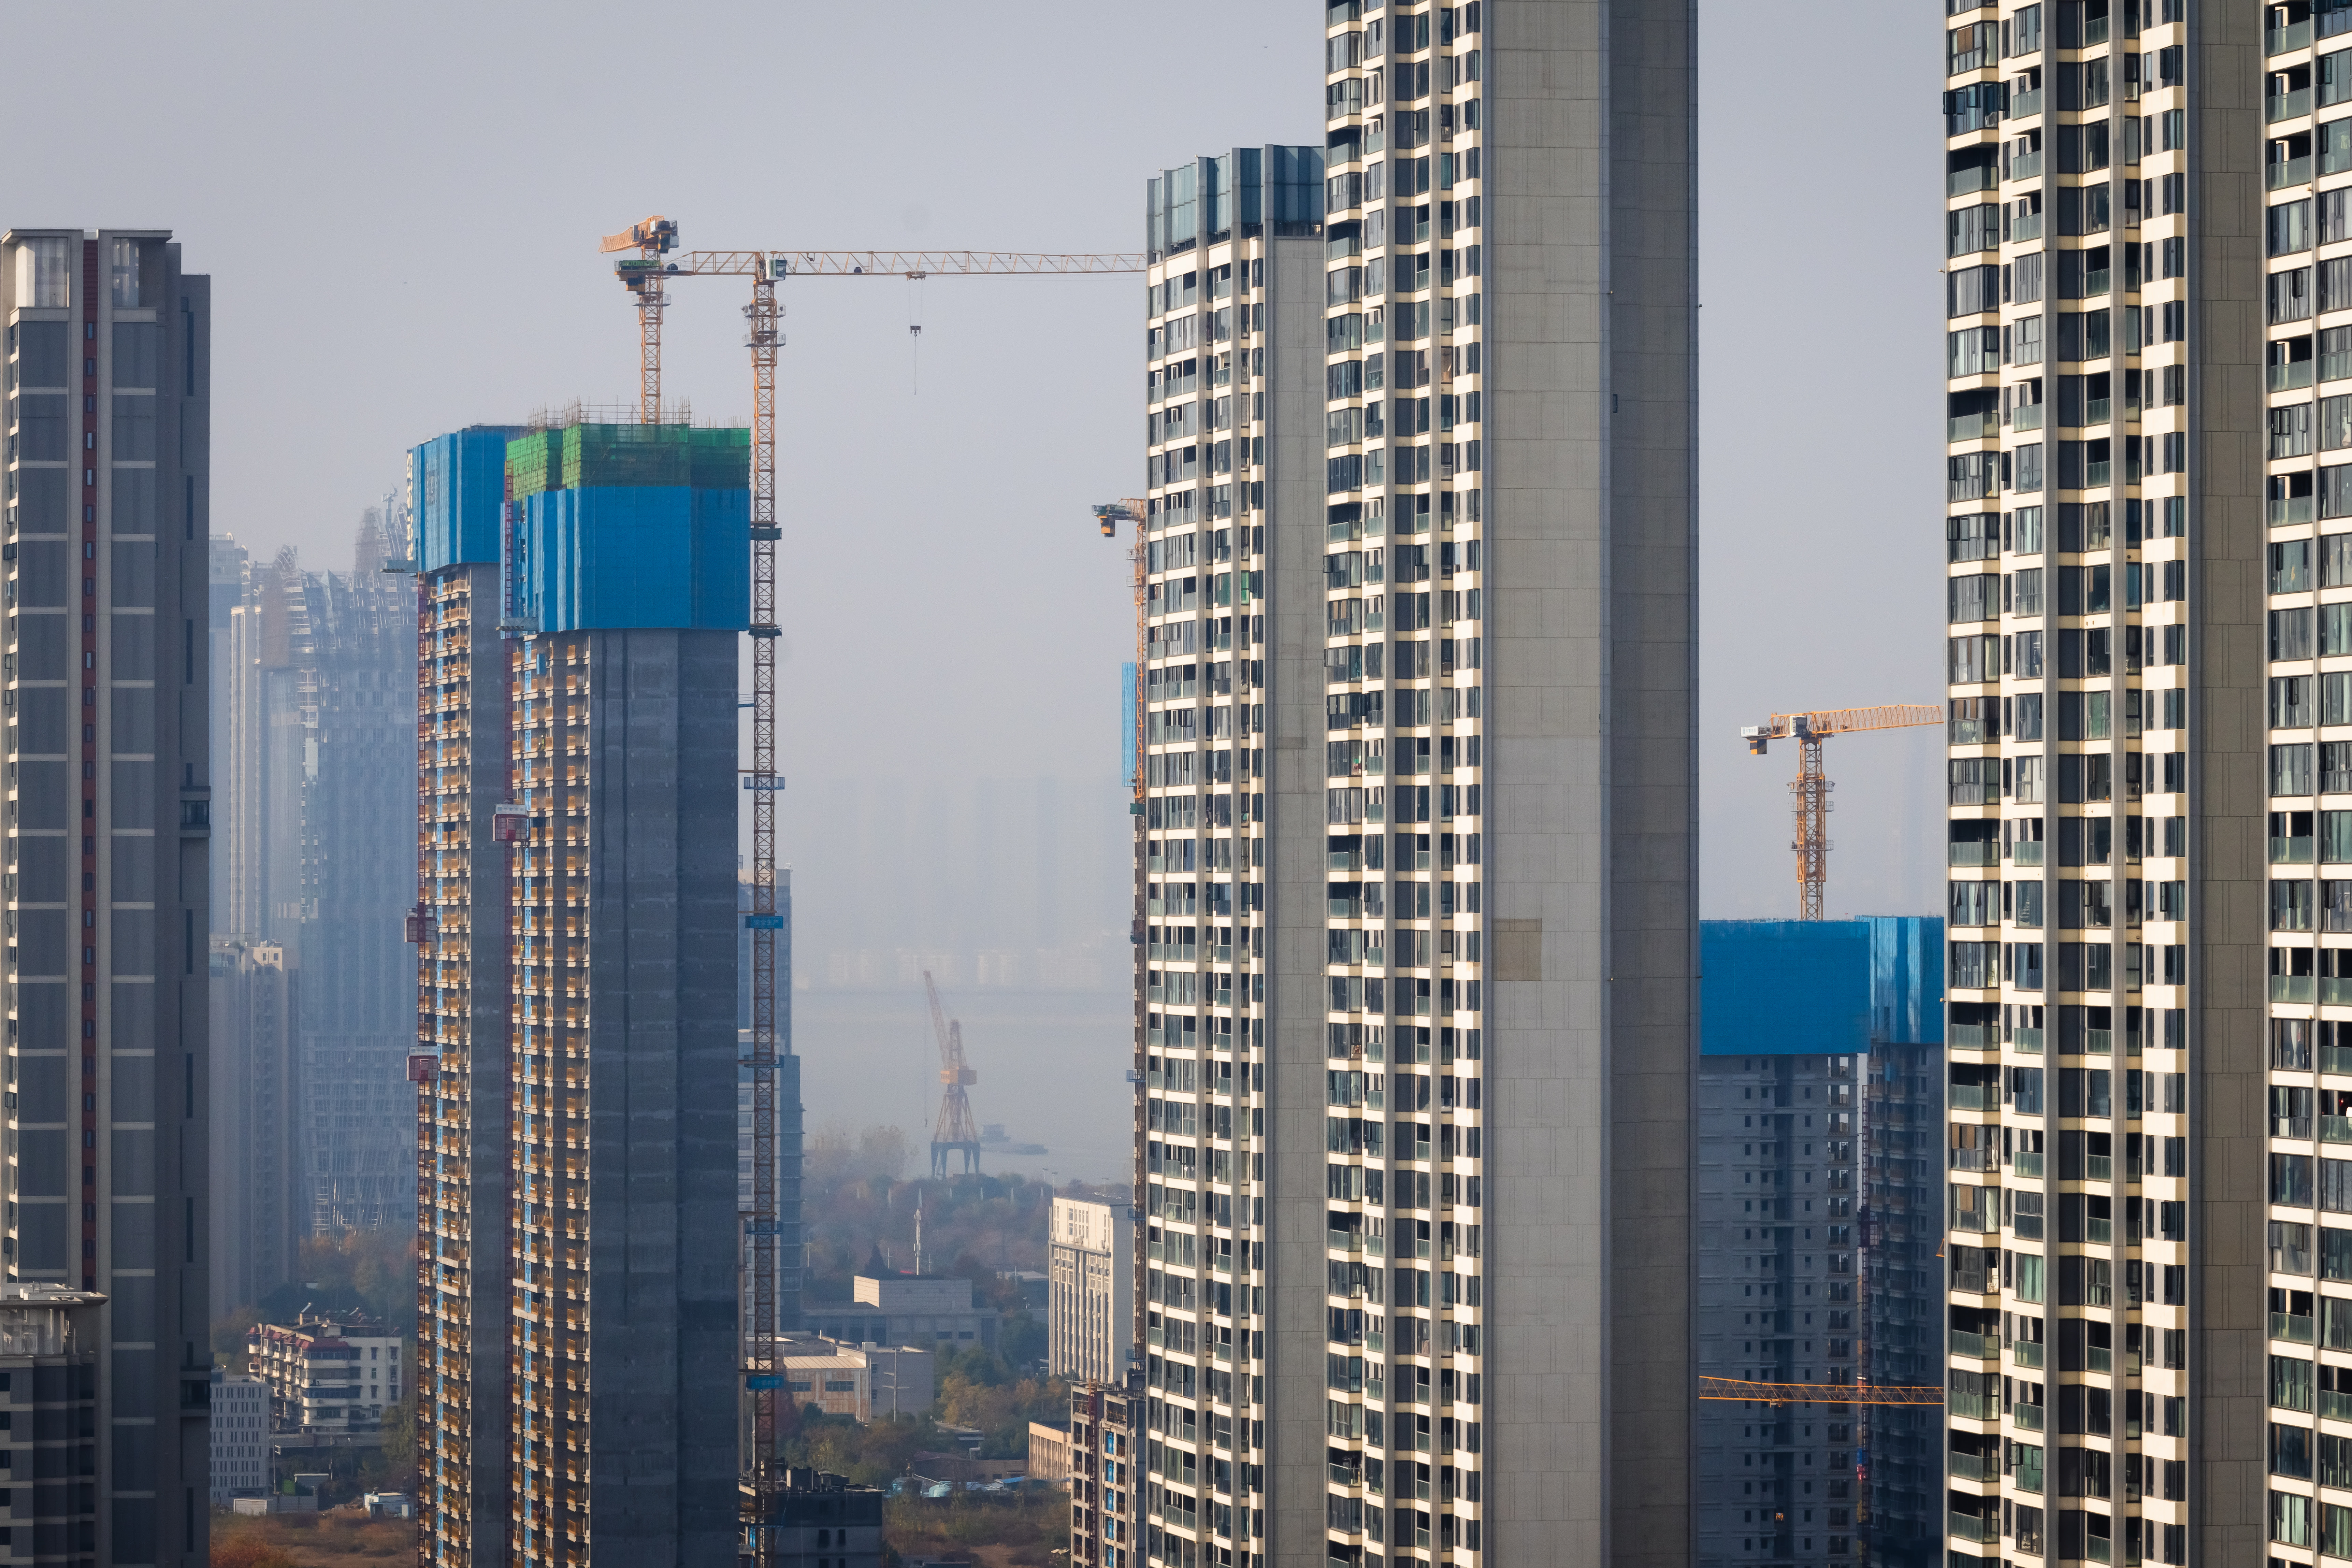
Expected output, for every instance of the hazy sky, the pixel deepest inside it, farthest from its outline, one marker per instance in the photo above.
(400, 206)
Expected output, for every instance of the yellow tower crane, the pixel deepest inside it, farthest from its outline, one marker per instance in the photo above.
(1812, 790)
(648, 260)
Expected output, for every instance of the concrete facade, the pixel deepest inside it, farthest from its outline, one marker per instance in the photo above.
(1090, 1302)
(1463, 954)
(1105, 1438)
(110, 777)
(2142, 527)
(241, 1426)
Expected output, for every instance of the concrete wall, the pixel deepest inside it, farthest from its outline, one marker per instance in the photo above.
(1294, 1046)
(1591, 798)
(2229, 789)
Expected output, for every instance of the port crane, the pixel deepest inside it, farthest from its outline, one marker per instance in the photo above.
(956, 1130)
(1812, 789)
(648, 260)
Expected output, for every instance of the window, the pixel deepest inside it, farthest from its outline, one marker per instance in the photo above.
(2291, 769)
(1973, 351)
(2290, 228)
(2290, 295)
(1966, 231)
(1971, 291)
(2290, 633)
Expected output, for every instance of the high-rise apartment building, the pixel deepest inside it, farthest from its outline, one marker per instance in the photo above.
(1801, 1018)
(1091, 1290)
(585, 587)
(2144, 235)
(256, 1222)
(105, 692)
(314, 688)
(465, 995)
(357, 653)
(1416, 862)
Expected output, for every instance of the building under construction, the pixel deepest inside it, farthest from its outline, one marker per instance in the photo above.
(1803, 1021)
(582, 587)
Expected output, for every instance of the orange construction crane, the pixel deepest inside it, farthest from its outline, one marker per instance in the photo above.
(1812, 790)
(647, 274)
(1817, 1393)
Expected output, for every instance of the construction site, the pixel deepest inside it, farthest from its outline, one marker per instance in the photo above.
(583, 581)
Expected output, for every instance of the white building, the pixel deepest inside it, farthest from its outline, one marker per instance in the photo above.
(331, 1372)
(1091, 1309)
(240, 1455)
(864, 1382)
(900, 1308)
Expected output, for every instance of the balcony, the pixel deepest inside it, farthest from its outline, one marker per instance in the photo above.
(2289, 172)
(2024, 1353)
(1976, 1347)
(2026, 1164)
(2025, 106)
(1982, 852)
(2025, 853)
(2026, 1417)
(1974, 1527)
(2294, 1329)
(2287, 105)
(2293, 988)
(2099, 1167)
(1974, 1466)
(2294, 36)
(2025, 166)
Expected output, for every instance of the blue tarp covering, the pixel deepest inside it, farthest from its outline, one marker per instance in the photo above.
(1796, 987)
(1907, 979)
(461, 486)
(607, 557)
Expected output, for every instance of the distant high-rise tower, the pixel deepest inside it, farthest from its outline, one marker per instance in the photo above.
(1417, 860)
(108, 355)
(257, 1191)
(357, 684)
(578, 1150)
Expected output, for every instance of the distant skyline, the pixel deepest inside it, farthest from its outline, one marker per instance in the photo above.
(424, 190)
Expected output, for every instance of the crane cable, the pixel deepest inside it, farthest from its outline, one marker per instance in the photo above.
(914, 333)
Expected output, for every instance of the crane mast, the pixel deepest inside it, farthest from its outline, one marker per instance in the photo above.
(646, 275)
(1809, 792)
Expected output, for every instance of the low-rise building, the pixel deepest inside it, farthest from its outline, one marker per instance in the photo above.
(905, 1310)
(864, 1382)
(820, 1521)
(1049, 1452)
(240, 1437)
(1106, 1490)
(1090, 1321)
(327, 1372)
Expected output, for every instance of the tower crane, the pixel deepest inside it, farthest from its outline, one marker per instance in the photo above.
(645, 264)
(1818, 1393)
(1812, 790)
(955, 1131)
